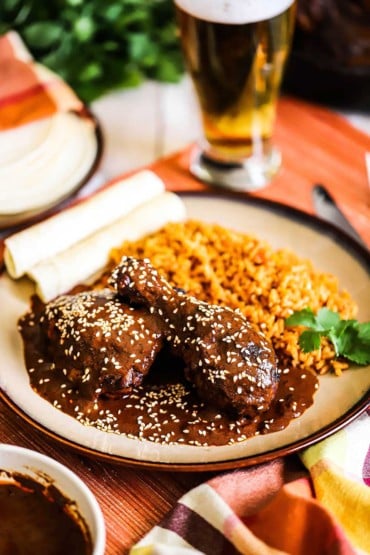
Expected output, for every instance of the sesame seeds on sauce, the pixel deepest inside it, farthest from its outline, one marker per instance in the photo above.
(164, 409)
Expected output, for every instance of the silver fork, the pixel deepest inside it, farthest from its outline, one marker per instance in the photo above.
(326, 208)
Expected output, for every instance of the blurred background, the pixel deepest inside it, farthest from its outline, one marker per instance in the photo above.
(330, 60)
(101, 46)
(97, 46)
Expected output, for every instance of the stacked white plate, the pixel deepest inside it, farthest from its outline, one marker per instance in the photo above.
(44, 162)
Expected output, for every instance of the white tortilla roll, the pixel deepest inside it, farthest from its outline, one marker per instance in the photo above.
(25, 249)
(83, 260)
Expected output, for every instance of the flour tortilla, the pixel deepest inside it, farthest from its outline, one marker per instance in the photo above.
(44, 240)
(77, 264)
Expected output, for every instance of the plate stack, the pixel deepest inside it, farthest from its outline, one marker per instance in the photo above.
(49, 142)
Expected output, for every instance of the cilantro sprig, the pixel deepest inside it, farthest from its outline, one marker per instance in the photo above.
(97, 46)
(350, 338)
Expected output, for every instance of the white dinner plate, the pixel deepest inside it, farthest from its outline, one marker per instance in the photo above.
(337, 402)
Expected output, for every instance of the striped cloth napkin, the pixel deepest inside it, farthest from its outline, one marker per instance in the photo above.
(278, 508)
(28, 90)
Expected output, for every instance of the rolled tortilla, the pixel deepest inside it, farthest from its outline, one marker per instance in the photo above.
(25, 249)
(60, 273)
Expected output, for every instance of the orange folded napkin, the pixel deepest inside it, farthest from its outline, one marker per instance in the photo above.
(277, 508)
(28, 90)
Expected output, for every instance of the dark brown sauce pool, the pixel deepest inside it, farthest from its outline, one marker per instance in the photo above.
(37, 519)
(166, 410)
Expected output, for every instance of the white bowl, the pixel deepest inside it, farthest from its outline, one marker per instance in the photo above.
(41, 468)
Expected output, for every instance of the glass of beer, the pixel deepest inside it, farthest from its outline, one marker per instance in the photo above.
(235, 52)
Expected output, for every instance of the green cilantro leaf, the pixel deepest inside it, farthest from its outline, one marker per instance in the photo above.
(327, 318)
(350, 338)
(356, 345)
(303, 317)
(310, 340)
(364, 331)
(342, 335)
(124, 41)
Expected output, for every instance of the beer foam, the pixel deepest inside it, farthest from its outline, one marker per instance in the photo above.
(234, 11)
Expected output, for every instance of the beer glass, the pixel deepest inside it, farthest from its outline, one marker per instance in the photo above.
(235, 52)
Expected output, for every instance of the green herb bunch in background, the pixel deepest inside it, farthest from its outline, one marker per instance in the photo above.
(98, 45)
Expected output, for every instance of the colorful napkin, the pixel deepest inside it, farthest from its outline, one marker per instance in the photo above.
(278, 508)
(340, 471)
(28, 90)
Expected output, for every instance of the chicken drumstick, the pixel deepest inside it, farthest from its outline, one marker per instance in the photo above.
(230, 364)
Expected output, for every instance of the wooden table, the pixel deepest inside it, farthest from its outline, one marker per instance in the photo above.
(318, 147)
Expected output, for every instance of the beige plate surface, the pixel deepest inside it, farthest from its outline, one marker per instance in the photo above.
(338, 401)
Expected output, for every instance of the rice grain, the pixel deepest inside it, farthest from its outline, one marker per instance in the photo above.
(226, 267)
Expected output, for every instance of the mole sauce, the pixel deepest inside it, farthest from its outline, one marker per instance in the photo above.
(38, 519)
(165, 408)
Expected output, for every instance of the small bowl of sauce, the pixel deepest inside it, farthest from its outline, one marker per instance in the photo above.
(45, 508)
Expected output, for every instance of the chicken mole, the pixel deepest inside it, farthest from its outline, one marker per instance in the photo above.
(77, 348)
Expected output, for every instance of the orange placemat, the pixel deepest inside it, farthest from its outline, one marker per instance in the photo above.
(318, 146)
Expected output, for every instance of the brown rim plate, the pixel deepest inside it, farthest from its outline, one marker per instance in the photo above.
(337, 402)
